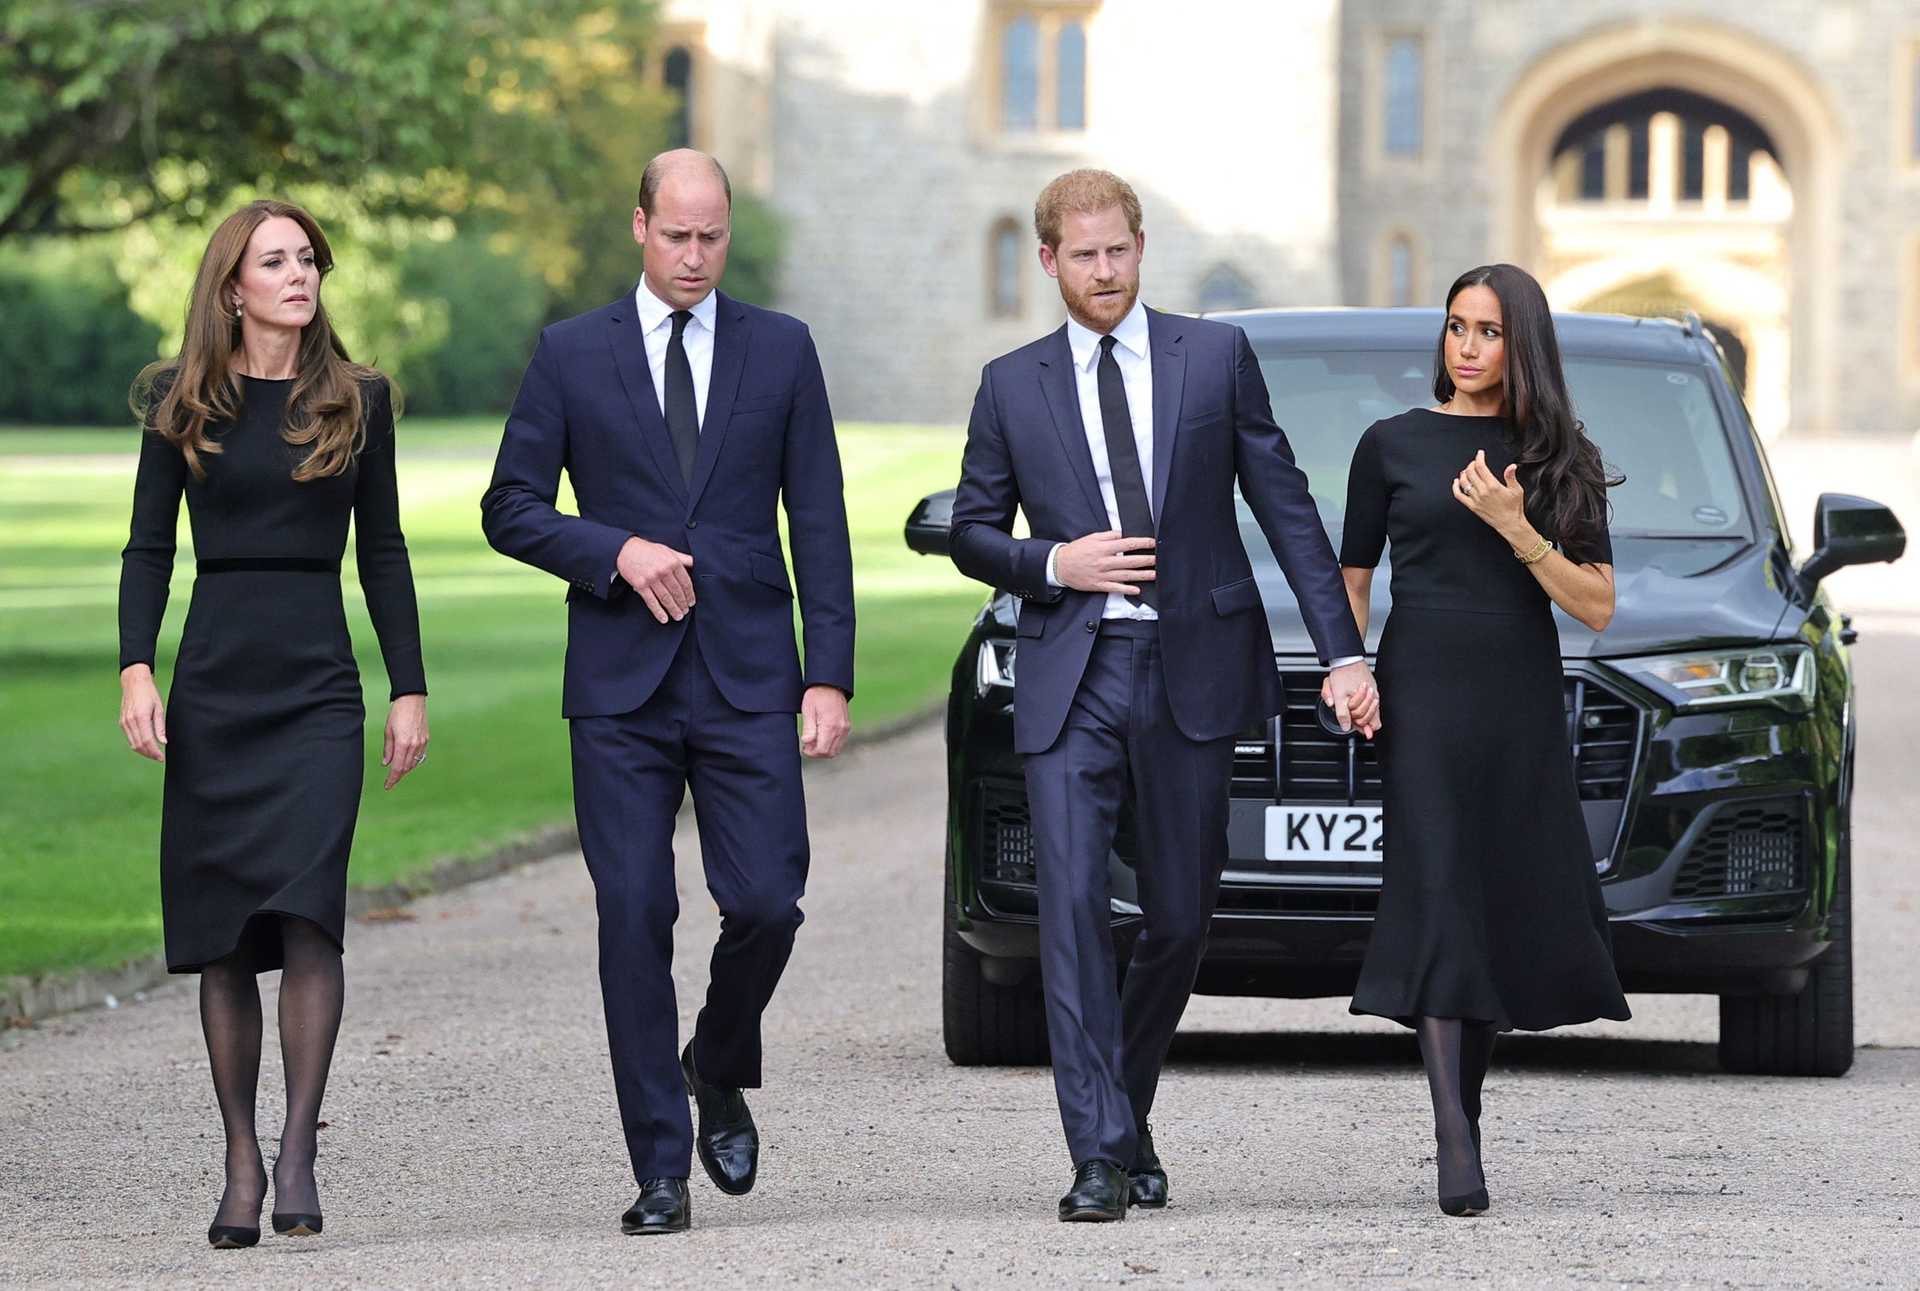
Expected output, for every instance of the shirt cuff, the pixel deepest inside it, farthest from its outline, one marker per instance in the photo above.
(1344, 660)
(1053, 579)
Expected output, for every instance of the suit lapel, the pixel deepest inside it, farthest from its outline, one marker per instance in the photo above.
(1169, 381)
(629, 346)
(1057, 384)
(730, 335)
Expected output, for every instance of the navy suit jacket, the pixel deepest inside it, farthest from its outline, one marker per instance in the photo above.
(1212, 423)
(587, 405)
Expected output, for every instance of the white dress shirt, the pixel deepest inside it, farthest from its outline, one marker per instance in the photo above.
(1136, 375)
(656, 325)
(1130, 352)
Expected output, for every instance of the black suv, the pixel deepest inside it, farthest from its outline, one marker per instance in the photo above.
(1712, 724)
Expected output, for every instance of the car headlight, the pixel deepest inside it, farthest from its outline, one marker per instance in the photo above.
(1775, 674)
(994, 668)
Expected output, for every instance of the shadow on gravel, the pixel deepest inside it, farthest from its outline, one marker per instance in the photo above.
(1338, 1051)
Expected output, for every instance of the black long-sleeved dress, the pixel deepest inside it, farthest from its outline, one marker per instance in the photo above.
(1490, 909)
(265, 723)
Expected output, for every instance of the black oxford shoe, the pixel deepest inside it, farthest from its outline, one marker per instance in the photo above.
(662, 1207)
(1146, 1180)
(726, 1140)
(1098, 1195)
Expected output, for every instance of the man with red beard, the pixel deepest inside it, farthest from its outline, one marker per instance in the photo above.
(1143, 645)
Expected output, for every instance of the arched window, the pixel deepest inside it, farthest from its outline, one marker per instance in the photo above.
(1225, 287)
(1070, 77)
(1005, 247)
(1020, 75)
(1405, 95)
(1400, 286)
(1654, 145)
(676, 73)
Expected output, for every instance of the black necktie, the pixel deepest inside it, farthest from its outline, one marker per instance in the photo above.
(1123, 459)
(683, 414)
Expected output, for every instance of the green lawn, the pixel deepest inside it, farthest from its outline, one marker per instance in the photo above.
(80, 814)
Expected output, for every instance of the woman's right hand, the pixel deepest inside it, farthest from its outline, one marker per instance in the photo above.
(143, 718)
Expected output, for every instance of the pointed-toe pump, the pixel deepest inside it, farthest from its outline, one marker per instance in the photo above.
(231, 1237)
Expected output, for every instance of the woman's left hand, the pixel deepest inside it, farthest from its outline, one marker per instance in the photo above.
(406, 745)
(1499, 500)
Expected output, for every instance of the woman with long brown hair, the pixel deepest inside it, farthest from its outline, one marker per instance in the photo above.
(276, 439)
(1495, 501)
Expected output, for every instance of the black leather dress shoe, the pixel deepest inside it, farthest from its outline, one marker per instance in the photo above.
(1098, 1195)
(1146, 1180)
(662, 1207)
(726, 1140)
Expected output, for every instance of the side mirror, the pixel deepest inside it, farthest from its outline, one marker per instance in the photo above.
(1850, 531)
(931, 523)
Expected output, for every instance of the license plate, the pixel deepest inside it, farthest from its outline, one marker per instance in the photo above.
(1323, 833)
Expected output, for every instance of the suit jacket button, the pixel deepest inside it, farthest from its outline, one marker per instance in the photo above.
(693, 524)
(1093, 625)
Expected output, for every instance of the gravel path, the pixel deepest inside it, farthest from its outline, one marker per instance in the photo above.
(472, 1137)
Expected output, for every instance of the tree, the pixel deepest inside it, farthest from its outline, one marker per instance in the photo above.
(115, 111)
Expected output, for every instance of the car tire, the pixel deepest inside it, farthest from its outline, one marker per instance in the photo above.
(987, 1025)
(1809, 1034)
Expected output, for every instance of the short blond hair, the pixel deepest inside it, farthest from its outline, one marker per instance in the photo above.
(1083, 192)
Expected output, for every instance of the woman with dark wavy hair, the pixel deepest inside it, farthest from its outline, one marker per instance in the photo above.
(1495, 502)
(276, 439)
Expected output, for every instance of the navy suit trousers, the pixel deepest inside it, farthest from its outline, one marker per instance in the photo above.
(1120, 743)
(630, 772)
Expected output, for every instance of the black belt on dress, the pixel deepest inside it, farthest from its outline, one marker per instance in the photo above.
(267, 564)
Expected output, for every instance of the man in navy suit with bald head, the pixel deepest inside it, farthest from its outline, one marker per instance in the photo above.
(1143, 645)
(685, 420)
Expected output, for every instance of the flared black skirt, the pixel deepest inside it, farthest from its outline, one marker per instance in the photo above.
(1490, 908)
(265, 754)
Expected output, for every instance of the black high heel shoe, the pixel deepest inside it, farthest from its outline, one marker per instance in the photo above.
(296, 1225)
(1469, 1203)
(235, 1237)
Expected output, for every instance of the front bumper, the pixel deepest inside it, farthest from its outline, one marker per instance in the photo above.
(1712, 835)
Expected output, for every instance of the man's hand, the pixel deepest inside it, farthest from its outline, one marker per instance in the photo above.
(823, 721)
(1105, 562)
(660, 575)
(1350, 692)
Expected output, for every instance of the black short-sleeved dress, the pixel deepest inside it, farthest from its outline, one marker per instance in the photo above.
(1490, 909)
(265, 723)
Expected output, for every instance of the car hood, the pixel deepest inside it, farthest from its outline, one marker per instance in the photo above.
(1669, 594)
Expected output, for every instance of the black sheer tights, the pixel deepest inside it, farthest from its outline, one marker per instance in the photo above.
(1457, 1054)
(312, 992)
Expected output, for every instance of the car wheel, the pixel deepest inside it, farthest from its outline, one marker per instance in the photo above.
(1809, 1034)
(987, 1025)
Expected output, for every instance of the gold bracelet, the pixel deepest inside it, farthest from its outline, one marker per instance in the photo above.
(1536, 555)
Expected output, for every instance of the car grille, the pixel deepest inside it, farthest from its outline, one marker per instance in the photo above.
(1603, 730)
(1748, 849)
(1006, 838)
(1311, 765)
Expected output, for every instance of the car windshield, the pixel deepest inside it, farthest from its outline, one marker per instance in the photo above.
(1654, 423)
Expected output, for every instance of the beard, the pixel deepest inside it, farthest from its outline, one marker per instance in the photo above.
(1101, 313)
